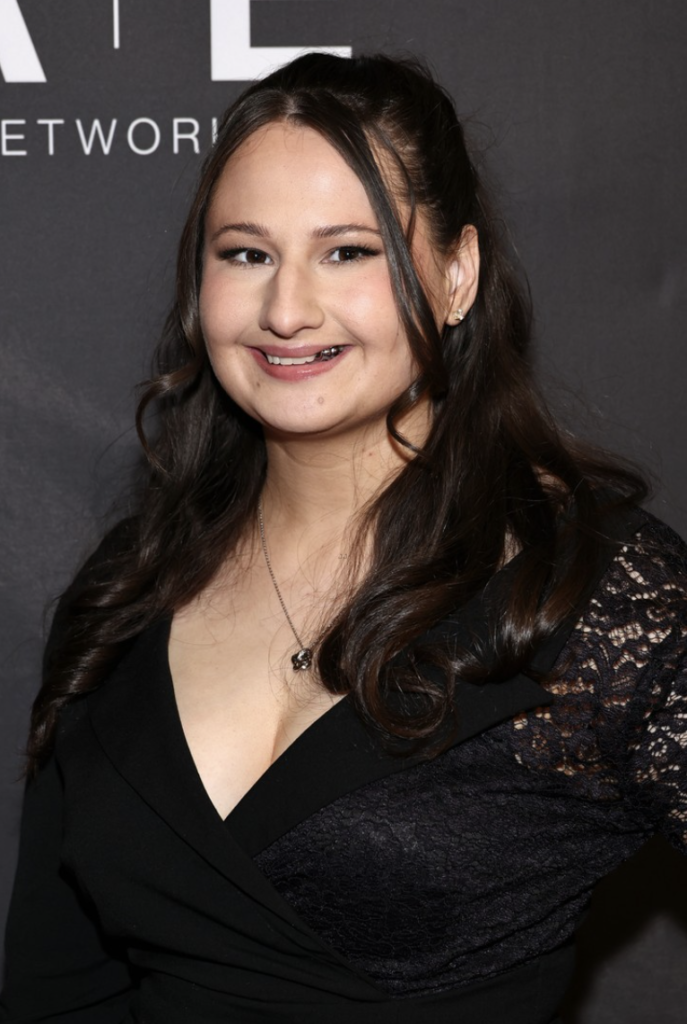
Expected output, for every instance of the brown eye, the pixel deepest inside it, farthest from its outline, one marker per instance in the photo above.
(351, 253)
(246, 257)
(255, 256)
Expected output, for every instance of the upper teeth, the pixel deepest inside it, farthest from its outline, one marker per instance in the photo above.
(326, 353)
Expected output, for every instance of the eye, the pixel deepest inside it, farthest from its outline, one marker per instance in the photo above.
(246, 257)
(351, 253)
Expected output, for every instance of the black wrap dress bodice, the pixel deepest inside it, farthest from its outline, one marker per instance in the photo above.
(350, 884)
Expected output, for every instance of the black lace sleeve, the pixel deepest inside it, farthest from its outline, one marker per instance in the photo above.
(654, 644)
(619, 726)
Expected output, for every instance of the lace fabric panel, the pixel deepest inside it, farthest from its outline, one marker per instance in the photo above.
(619, 724)
(484, 858)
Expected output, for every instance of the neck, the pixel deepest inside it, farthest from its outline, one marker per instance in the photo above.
(315, 491)
(321, 484)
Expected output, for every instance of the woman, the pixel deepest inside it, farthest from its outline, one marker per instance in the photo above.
(348, 720)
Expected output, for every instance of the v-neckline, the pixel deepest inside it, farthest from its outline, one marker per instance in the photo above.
(340, 715)
(337, 752)
(167, 680)
(308, 741)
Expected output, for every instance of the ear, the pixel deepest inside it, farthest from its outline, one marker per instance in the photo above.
(462, 274)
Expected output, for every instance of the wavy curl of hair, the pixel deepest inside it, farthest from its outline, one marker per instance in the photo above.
(494, 473)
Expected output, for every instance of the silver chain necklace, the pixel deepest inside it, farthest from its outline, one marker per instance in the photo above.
(302, 659)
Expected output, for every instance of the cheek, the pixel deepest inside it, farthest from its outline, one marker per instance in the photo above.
(221, 315)
(207, 309)
(367, 304)
(373, 312)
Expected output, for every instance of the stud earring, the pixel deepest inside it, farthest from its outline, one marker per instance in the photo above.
(459, 315)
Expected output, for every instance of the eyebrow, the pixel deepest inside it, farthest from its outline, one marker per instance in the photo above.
(332, 230)
(326, 231)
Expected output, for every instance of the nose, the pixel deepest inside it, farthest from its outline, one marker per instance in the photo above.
(291, 303)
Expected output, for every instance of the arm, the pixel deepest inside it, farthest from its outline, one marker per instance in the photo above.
(58, 965)
(655, 717)
(657, 770)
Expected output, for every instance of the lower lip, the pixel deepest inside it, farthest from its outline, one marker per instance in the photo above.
(303, 371)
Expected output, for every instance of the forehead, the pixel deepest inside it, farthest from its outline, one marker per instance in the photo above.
(293, 170)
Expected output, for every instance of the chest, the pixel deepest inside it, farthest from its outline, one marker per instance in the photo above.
(454, 862)
(240, 702)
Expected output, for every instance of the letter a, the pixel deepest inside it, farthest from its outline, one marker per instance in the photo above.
(233, 59)
(18, 58)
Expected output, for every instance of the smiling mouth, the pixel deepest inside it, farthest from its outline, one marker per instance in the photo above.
(318, 357)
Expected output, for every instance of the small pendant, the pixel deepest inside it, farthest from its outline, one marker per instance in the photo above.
(302, 659)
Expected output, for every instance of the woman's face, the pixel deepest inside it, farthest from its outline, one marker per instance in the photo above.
(296, 302)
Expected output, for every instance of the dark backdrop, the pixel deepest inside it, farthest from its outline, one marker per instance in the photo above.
(579, 111)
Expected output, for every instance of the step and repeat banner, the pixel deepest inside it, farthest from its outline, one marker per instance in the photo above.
(577, 110)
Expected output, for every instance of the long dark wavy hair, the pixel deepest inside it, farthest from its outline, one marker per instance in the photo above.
(494, 476)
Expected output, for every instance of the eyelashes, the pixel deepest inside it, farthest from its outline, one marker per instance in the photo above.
(353, 253)
(246, 256)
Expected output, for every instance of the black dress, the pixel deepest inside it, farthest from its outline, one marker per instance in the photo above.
(350, 885)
